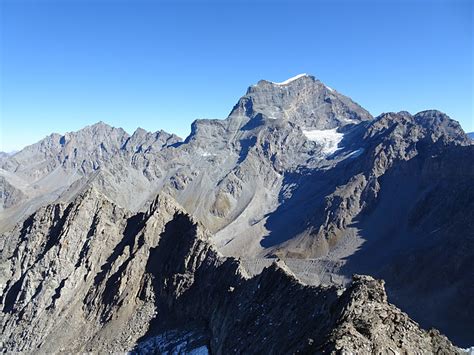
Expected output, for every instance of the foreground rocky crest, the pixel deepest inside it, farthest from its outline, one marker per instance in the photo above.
(90, 276)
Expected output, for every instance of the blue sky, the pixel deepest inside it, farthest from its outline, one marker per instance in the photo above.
(160, 65)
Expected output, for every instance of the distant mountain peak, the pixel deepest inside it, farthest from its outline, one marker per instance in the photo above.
(100, 126)
(286, 83)
(303, 100)
(100, 123)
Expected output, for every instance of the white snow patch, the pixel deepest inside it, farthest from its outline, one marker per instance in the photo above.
(330, 89)
(290, 79)
(204, 153)
(355, 153)
(348, 120)
(329, 139)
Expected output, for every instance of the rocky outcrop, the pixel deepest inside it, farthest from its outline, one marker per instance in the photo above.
(77, 262)
(368, 324)
(89, 276)
(9, 194)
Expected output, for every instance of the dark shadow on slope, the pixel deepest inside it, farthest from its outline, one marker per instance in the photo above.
(178, 144)
(131, 237)
(304, 207)
(187, 283)
(54, 233)
(418, 232)
(164, 261)
(86, 246)
(303, 198)
(112, 284)
(420, 240)
(220, 303)
(134, 225)
(245, 146)
(12, 295)
(305, 204)
(253, 123)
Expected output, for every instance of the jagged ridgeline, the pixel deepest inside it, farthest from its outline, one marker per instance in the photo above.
(245, 236)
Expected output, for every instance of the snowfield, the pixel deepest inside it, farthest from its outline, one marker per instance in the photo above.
(329, 139)
(290, 79)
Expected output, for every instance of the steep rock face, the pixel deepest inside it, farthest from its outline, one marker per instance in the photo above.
(4, 156)
(143, 141)
(349, 189)
(427, 228)
(83, 150)
(303, 100)
(76, 261)
(9, 194)
(117, 164)
(91, 276)
(262, 139)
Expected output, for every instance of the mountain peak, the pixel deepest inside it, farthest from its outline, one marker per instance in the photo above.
(292, 79)
(100, 123)
(99, 126)
(296, 77)
(303, 100)
(286, 83)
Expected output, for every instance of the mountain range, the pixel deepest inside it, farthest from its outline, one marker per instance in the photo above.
(146, 242)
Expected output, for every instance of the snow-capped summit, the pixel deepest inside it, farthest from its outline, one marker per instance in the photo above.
(286, 82)
(323, 108)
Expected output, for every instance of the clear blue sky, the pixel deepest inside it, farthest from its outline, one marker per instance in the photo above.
(160, 65)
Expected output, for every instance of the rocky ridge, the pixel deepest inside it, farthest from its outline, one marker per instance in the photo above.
(90, 276)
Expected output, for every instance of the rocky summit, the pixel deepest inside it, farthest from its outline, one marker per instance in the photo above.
(252, 235)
